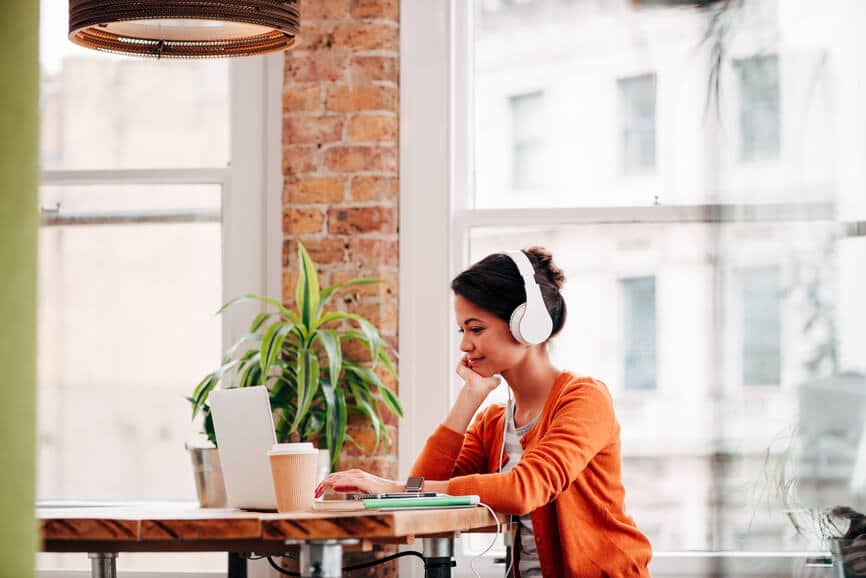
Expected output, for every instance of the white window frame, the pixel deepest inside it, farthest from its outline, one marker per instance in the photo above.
(436, 217)
(251, 185)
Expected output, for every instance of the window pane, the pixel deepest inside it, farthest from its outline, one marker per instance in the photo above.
(665, 103)
(637, 98)
(759, 107)
(126, 330)
(527, 141)
(527, 117)
(639, 332)
(761, 296)
(709, 461)
(101, 111)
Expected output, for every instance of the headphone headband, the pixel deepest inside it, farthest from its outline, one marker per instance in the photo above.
(524, 265)
(530, 322)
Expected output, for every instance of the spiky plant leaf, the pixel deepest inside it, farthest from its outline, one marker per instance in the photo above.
(307, 289)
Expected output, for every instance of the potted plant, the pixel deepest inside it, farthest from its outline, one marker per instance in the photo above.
(297, 354)
(848, 548)
(842, 531)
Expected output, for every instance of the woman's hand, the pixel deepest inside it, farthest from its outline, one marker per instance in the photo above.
(475, 383)
(358, 481)
(475, 390)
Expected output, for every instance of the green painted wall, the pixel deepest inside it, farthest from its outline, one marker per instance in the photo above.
(19, 88)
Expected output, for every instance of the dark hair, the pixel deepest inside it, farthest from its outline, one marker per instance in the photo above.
(495, 284)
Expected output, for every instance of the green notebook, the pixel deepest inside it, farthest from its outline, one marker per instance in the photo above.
(420, 503)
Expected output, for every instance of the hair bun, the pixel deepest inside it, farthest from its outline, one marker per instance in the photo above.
(542, 260)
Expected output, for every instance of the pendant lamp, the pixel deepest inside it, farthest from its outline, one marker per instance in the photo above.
(184, 28)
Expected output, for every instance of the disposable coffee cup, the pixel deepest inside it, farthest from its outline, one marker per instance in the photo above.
(293, 467)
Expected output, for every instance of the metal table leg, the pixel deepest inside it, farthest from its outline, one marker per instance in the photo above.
(237, 565)
(322, 558)
(438, 557)
(103, 564)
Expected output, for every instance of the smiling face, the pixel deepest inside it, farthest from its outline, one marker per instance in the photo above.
(488, 346)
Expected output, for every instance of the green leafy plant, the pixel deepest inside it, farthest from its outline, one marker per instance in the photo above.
(297, 355)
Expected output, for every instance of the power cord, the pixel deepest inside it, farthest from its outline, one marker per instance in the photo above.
(508, 414)
(254, 556)
(492, 543)
(376, 562)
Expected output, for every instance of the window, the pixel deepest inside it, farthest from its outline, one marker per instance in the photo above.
(639, 332)
(700, 451)
(527, 138)
(758, 83)
(637, 97)
(760, 295)
(144, 234)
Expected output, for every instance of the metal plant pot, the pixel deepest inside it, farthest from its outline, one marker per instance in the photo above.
(209, 484)
(849, 557)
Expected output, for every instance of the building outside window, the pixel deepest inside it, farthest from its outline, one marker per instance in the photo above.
(639, 332)
(527, 141)
(637, 97)
(759, 104)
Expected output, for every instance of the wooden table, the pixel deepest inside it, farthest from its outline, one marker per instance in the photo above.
(104, 530)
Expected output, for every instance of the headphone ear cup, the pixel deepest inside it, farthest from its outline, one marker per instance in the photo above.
(515, 321)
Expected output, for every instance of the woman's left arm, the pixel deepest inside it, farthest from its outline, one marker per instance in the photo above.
(582, 425)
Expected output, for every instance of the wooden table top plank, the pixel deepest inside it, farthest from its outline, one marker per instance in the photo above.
(353, 525)
(440, 521)
(207, 529)
(153, 546)
(90, 529)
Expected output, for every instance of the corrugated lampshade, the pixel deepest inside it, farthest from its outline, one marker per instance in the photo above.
(184, 28)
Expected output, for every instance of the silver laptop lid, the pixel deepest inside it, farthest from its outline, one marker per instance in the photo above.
(244, 430)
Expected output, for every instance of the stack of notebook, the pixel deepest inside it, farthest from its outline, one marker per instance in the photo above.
(382, 504)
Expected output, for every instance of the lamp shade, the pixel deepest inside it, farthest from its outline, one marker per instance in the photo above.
(184, 28)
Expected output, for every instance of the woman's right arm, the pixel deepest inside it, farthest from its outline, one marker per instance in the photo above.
(455, 448)
(467, 403)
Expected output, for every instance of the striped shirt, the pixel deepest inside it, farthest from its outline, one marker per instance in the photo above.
(529, 566)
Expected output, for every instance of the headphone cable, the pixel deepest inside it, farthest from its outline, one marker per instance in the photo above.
(501, 455)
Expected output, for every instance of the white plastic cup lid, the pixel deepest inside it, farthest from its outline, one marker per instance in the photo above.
(295, 448)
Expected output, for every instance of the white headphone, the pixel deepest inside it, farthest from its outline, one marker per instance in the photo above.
(530, 322)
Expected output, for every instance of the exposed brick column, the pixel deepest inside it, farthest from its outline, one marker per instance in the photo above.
(340, 162)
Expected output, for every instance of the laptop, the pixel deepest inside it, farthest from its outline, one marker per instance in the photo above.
(244, 428)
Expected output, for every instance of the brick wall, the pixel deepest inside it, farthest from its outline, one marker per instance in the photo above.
(340, 163)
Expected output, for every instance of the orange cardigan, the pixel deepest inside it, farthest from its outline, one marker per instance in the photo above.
(568, 479)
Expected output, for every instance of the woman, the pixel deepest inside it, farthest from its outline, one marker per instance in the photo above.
(553, 457)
